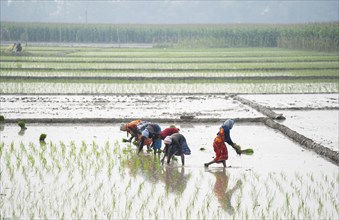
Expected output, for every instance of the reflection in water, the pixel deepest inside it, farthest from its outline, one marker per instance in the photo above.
(22, 132)
(151, 169)
(221, 184)
(2, 126)
(43, 145)
(175, 180)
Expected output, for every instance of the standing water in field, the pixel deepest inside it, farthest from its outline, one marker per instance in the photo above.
(88, 168)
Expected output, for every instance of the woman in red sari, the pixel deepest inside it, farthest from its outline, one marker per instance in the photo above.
(219, 146)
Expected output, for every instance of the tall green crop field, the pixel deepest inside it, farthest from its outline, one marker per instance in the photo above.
(315, 36)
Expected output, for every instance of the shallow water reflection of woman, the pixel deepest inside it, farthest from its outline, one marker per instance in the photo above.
(221, 184)
(175, 180)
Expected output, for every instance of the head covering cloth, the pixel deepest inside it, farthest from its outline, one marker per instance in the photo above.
(228, 123)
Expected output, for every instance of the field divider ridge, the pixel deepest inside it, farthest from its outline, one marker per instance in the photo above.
(165, 78)
(168, 69)
(306, 142)
(161, 61)
(125, 120)
(262, 109)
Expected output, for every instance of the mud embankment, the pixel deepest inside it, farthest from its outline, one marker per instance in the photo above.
(184, 119)
(260, 108)
(308, 143)
(304, 141)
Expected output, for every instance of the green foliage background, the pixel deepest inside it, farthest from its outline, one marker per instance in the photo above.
(312, 36)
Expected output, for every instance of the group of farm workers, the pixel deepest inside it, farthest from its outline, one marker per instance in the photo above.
(151, 135)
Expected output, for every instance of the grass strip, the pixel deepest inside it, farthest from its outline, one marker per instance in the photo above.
(169, 80)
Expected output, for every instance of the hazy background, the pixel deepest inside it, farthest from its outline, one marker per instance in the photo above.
(169, 12)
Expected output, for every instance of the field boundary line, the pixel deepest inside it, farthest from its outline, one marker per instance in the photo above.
(305, 108)
(262, 109)
(167, 69)
(154, 94)
(308, 143)
(165, 78)
(159, 62)
(125, 120)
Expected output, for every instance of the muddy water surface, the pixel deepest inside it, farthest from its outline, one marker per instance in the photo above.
(273, 151)
(85, 171)
(315, 116)
(106, 179)
(120, 106)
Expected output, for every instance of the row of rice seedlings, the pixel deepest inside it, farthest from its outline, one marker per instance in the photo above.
(83, 51)
(198, 52)
(46, 47)
(151, 58)
(172, 74)
(175, 81)
(171, 66)
(256, 191)
(247, 196)
(291, 198)
(66, 158)
(168, 180)
(281, 87)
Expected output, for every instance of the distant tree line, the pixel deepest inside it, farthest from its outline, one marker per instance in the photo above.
(313, 36)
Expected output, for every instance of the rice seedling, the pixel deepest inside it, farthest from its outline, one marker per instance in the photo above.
(124, 140)
(42, 137)
(287, 200)
(31, 160)
(2, 119)
(2, 146)
(18, 160)
(22, 124)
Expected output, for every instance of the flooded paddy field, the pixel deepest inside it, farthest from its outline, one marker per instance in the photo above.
(284, 102)
(100, 70)
(84, 170)
(312, 115)
(123, 106)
